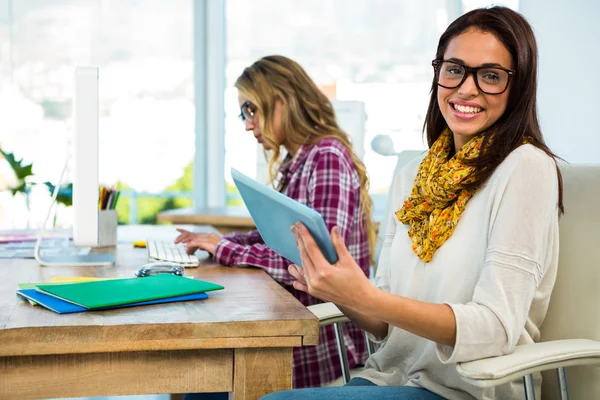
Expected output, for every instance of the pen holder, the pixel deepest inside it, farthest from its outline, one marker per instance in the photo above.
(107, 228)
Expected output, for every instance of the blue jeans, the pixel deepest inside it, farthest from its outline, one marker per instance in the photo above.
(366, 390)
(357, 388)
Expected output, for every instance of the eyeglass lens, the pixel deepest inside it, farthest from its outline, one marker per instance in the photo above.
(489, 80)
(247, 111)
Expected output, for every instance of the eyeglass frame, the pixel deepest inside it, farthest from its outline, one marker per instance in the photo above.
(243, 117)
(469, 71)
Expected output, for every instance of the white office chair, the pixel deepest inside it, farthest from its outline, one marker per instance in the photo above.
(570, 334)
(328, 313)
(404, 157)
(352, 117)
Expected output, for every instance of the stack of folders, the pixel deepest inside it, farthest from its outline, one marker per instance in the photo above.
(64, 298)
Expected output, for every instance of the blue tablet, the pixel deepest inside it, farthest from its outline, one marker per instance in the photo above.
(274, 213)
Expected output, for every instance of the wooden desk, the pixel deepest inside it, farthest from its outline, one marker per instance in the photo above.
(240, 339)
(223, 219)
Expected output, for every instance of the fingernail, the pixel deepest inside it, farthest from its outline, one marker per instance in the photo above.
(336, 231)
(294, 229)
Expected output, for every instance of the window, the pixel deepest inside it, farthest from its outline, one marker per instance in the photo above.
(378, 52)
(468, 5)
(144, 51)
(375, 52)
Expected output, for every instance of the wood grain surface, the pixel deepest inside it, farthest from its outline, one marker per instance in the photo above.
(253, 313)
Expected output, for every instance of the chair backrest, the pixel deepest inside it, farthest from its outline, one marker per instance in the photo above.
(404, 158)
(574, 310)
(351, 117)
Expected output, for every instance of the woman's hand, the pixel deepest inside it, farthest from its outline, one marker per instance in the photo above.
(184, 236)
(300, 283)
(195, 241)
(342, 283)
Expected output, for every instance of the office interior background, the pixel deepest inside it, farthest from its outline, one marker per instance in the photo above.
(169, 131)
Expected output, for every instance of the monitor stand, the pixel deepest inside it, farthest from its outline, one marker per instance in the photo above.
(88, 260)
(67, 260)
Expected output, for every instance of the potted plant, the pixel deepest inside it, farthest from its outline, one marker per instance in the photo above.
(21, 182)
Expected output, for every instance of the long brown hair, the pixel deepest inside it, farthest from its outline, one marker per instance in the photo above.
(308, 117)
(520, 120)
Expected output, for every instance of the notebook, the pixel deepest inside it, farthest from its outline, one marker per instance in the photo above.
(57, 281)
(114, 292)
(60, 281)
(64, 307)
(274, 213)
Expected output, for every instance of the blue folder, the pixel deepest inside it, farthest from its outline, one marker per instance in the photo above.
(64, 307)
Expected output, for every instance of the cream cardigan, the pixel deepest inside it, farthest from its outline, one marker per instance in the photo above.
(496, 272)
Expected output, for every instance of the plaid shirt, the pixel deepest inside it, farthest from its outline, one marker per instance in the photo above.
(323, 177)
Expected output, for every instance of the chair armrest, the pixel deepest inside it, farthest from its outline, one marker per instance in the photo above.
(327, 313)
(529, 358)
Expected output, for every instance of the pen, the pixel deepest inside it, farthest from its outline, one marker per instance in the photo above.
(116, 197)
(101, 198)
(109, 199)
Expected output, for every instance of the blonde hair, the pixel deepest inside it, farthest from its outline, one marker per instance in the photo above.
(308, 117)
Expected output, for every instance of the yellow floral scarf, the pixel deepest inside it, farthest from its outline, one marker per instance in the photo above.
(438, 197)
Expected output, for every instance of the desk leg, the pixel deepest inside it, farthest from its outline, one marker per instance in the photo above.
(258, 372)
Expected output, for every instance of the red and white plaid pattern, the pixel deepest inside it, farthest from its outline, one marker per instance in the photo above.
(323, 177)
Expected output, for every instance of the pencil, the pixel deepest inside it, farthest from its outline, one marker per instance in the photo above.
(114, 203)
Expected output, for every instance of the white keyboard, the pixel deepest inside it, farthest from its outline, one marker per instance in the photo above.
(162, 250)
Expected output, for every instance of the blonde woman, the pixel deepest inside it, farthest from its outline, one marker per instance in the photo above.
(284, 110)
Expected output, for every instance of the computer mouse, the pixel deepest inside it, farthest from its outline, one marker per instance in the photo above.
(160, 267)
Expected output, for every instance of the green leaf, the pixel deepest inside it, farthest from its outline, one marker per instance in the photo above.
(65, 193)
(21, 171)
(21, 188)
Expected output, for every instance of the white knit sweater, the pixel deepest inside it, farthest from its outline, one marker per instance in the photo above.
(496, 271)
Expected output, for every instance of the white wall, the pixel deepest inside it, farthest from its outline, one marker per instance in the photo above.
(568, 37)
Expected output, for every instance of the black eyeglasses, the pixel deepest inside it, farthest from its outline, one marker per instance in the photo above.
(247, 111)
(489, 80)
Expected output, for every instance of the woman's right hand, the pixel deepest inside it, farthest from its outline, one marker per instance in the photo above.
(185, 236)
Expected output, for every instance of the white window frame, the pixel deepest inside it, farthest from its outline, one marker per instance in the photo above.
(209, 97)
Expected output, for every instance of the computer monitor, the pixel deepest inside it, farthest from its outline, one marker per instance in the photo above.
(86, 224)
(86, 170)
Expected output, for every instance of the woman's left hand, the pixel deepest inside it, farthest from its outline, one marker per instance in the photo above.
(342, 283)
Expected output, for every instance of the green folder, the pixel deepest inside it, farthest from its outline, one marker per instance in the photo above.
(115, 292)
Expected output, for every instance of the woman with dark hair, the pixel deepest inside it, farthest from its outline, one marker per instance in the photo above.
(470, 256)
